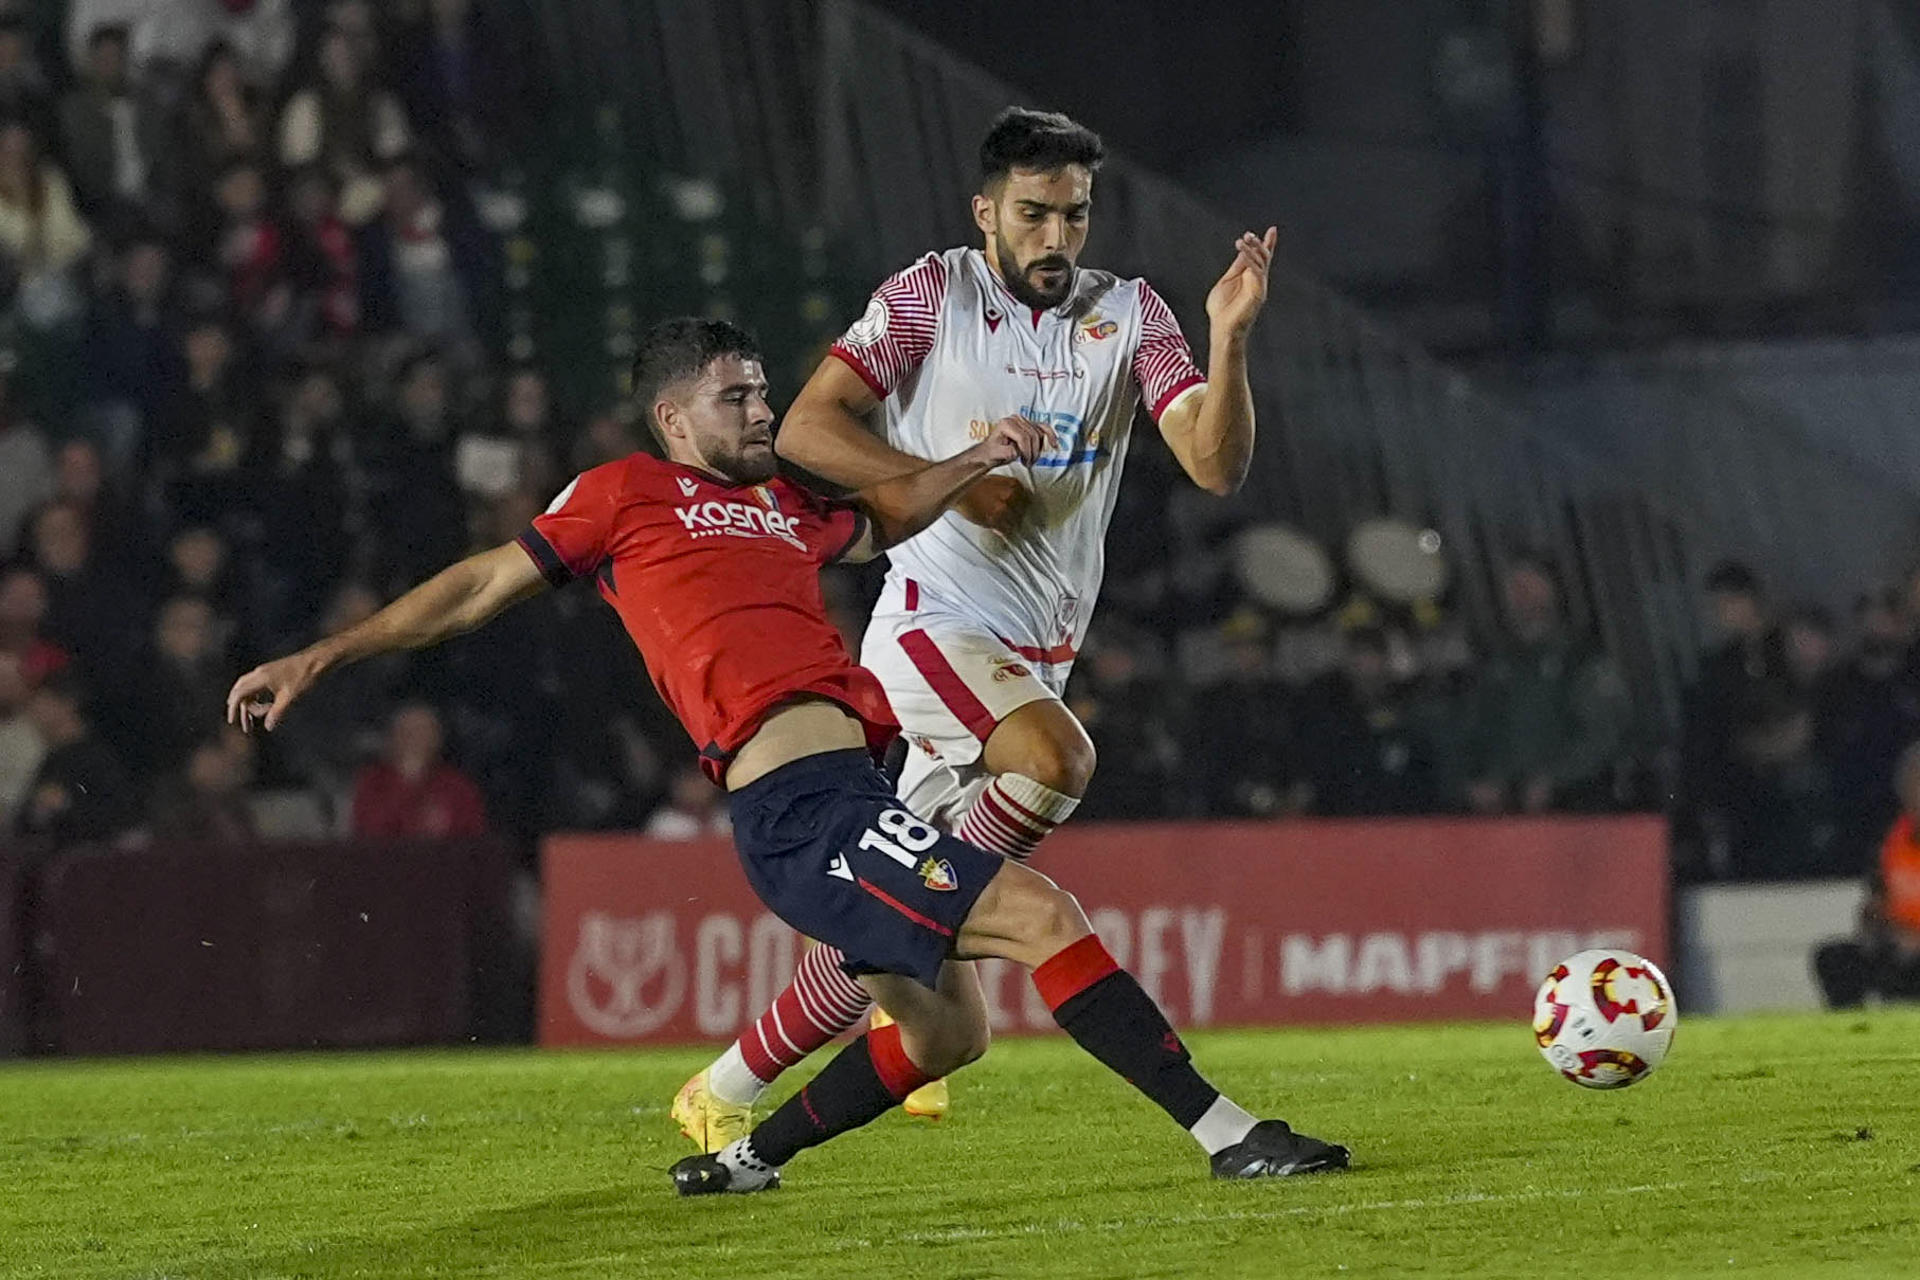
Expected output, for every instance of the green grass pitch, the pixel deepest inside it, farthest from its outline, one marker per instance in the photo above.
(1776, 1146)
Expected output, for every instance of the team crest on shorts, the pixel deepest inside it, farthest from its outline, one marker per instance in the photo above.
(937, 873)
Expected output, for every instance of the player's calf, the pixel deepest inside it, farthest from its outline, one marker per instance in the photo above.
(1024, 916)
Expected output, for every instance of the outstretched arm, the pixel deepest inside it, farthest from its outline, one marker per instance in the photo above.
(1211, 433)
(825, 431)
(455, 600)
(825, 434)
(904, 505)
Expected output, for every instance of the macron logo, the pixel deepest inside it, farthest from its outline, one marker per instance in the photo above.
(688, 486)
(738, 519)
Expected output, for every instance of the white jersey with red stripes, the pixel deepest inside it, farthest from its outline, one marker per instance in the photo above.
(949, 350)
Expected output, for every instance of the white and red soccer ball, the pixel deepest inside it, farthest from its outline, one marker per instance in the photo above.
(1604, 1019)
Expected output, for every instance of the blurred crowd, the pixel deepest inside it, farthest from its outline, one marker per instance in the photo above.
(1204, 702)
(249, 391)
(1793, 729)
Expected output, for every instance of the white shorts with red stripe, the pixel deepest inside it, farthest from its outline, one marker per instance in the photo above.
(951, 681)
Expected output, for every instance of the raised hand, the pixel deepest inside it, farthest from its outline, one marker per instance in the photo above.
(1237, 297)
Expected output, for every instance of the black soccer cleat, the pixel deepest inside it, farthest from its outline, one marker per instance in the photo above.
(1272, 1150)
(705, 1175)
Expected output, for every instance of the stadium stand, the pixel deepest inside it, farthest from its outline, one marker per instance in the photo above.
(380, 316)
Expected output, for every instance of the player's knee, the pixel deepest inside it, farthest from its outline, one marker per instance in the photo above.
(1044, 742)
(973, 1045)
(1063, 922)
(942, 1048)
(1062, 758)
(1051, 918)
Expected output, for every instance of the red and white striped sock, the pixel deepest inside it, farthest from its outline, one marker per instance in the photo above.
(1014, 814)
(819, 1004)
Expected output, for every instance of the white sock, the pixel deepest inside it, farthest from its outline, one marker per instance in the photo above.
(749, 1171)
(1014, 814)
(1223, 1125)
(730, 1080)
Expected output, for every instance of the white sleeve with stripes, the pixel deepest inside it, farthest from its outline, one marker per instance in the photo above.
(896, 333)
(1163, 365)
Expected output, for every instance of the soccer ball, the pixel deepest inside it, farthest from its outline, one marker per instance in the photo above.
(1604, 1019)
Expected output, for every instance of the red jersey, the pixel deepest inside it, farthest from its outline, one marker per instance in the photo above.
(444, 803)
(719, 585)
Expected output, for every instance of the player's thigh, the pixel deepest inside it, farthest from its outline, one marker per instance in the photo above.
(1021, 916)
(943, 1028)
(951, 686)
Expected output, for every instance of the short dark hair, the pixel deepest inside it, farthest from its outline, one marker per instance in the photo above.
(680, 348)
(1020, 138)
(1733, 578)
(114, 31)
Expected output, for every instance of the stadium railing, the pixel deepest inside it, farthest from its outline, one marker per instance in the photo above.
(1825, 514)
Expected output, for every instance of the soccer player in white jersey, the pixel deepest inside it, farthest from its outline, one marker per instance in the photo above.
(976, 629)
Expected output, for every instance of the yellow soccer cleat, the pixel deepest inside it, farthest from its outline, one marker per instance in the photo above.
(929, 1101)
(711, 1123)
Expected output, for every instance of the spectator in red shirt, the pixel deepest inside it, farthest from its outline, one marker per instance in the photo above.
(23, 614)
(320, 255)
(251, 245)
(414, 793)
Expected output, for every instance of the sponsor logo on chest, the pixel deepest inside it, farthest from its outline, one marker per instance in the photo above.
(764, 519)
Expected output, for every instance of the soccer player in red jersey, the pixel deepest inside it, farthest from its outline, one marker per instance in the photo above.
(712, 561)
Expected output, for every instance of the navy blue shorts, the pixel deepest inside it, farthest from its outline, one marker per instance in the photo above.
(830, 850)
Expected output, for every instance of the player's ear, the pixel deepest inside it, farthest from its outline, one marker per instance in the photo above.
(672, 423)
(985, 215)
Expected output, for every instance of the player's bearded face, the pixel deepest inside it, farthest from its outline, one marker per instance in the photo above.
(1038, 226)
(729, 422)
(744, 459)
(1042, 282)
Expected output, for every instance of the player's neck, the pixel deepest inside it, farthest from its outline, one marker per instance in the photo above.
(694, 464)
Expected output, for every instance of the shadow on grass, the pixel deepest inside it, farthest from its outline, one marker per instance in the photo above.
(639, 1228)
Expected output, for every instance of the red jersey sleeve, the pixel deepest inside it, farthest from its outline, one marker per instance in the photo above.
(571, 537)
(829, 528)
(896, 333)
(1163, 364)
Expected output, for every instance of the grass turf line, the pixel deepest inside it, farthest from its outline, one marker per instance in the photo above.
(1775, 1146)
